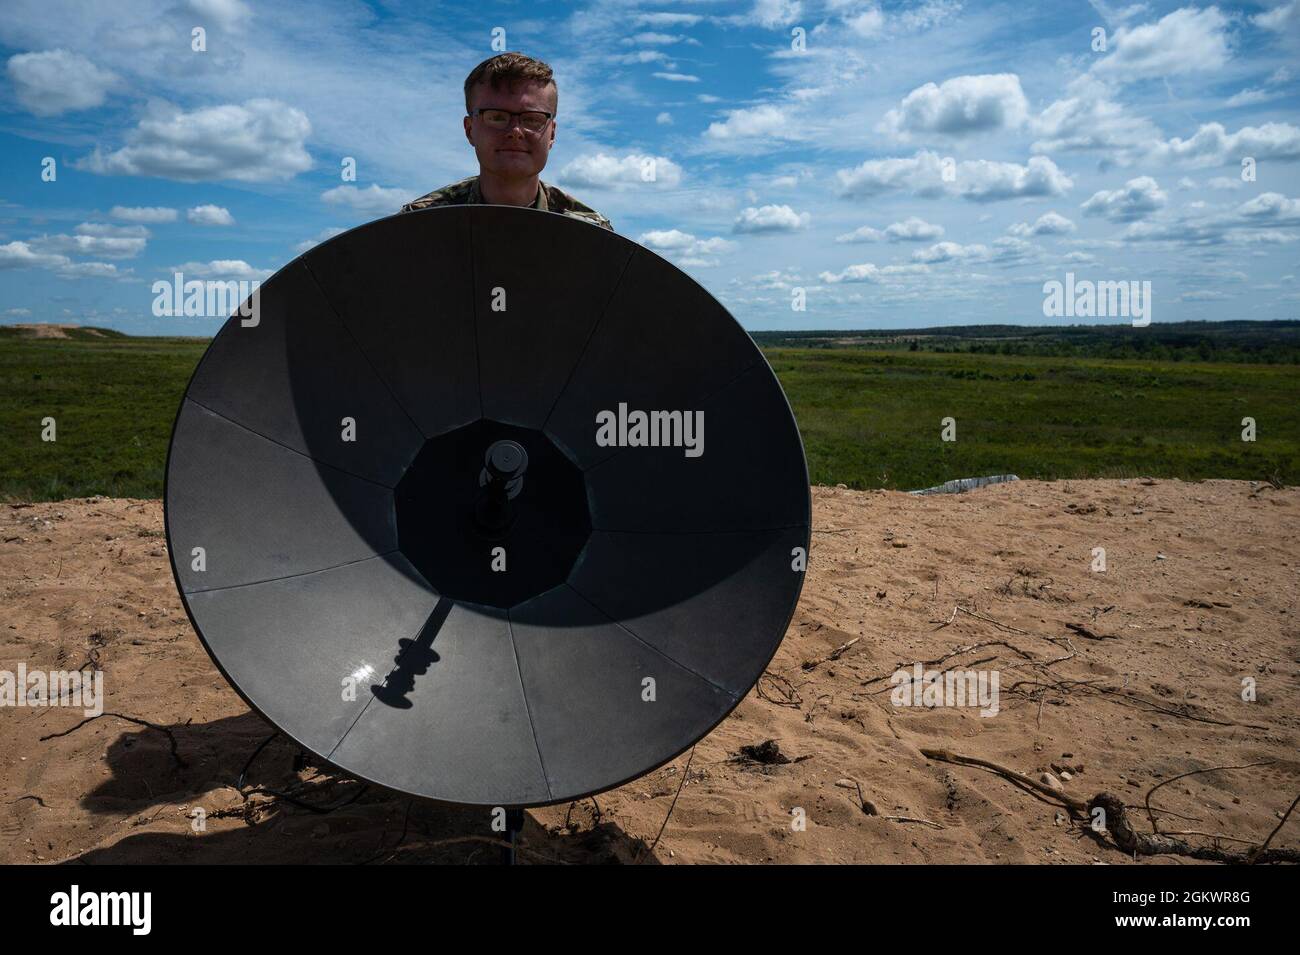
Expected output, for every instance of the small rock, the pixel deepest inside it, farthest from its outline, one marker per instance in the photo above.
(1050, 781)
(1065, 777)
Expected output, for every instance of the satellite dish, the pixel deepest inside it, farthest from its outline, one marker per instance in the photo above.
(487, 506)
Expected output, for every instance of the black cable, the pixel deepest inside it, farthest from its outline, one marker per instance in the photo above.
(288, 797)
(239, 783)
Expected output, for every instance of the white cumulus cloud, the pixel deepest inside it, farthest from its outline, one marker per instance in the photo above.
(1213, 145)
(960, 106)
(1189, 40)
(97, 240)
(948, 251)
(913, 229)
(210, 215)
(1050, 223)
(57, 81)
(754, 122)
(770, 219)
(372, 200)
(870, 272)
(1272, 207)
(686, 248)
(20, 255)
(1136, 200)
(223, 269)
(604, 171)
(861, 234)
(979, 180)
(1088, 118)
(262, 139)
(675, 240)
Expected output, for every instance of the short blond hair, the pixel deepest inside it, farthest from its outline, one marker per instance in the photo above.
(509, 68)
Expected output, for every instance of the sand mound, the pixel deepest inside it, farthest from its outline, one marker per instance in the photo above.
(1199, 593)
(53, 330)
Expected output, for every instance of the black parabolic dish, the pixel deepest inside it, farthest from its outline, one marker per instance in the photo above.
(325, 506)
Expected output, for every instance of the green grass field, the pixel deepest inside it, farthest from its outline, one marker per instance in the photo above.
(113, 401)
(870, 418)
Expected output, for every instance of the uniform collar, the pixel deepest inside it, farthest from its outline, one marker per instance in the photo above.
(476, 197)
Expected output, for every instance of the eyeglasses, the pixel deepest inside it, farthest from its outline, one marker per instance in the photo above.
(534, 121)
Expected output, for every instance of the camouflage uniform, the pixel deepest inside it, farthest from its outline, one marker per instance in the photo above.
(549, 198)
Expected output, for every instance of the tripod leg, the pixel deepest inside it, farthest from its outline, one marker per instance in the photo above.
(514, 825)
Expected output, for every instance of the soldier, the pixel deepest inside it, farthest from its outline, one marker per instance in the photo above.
(510, 102)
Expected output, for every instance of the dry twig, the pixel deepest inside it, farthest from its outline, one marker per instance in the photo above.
(833, 655)
(784, 690)
(130, 719)
(1155, 827)
(685, 772)
(1117, 823)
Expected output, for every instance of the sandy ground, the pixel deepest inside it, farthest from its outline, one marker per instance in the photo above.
(1199, 593)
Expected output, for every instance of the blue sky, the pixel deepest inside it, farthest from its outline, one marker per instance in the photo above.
(797, 144)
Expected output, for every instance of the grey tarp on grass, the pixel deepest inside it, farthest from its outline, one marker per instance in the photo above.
(962, 485)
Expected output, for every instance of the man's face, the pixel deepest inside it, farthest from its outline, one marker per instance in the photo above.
(513, 152)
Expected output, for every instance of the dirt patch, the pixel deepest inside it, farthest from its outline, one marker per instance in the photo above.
(54, 330)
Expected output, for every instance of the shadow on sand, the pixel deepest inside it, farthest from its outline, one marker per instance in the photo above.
(328, 817)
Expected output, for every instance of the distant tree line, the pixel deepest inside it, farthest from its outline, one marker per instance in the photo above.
(1249, 342)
